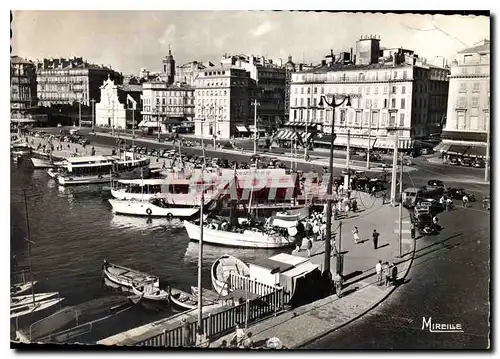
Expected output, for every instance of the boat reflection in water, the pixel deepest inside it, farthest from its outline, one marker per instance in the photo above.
(211, 253)
(119, 221)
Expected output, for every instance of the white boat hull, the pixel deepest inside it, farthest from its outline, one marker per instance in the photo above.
(144, 208)
(41, 163)
(221, 269)
(26, 299)
(247, 239)
(127, 277)
(158, 295)
(20, 288)
(52, 173)
(68, 180)
(23, 316)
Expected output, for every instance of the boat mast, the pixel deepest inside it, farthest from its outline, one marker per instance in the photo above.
(28, 239)
(142, 185)
(251, 193)
(200, 245)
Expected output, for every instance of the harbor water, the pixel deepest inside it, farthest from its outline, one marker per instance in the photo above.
(74, 230)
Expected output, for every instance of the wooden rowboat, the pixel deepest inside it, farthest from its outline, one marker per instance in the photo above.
(221, 269)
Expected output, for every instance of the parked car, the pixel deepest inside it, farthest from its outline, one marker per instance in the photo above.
(466, 162)
(478, 163)
(458, 193)
(434, 184)
(453, 162)
(426, 151)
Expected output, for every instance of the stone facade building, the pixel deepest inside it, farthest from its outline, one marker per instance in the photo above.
(468, 116)
(23, 89)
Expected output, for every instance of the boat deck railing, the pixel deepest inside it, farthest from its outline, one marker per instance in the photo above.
(221, 323)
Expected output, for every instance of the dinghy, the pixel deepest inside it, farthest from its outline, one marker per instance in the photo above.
(42, 163)
(221, 269)
(24, 315)
(127, 277)
(20, 288)
(28, 298)
(183, 300)
(150, 292)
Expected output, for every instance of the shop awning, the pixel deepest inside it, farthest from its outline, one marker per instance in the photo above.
(457, 150)
(442, 147)
(241, 129)
(145, 123)
(475, 151)
(288, 135)
(252, 129)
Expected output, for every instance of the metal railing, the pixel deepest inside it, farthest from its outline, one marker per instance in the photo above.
(223, 322)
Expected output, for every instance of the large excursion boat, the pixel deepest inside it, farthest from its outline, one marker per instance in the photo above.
(100, 169)
(154, 207)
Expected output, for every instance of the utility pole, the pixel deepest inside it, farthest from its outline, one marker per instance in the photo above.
(394, 169)
(80, 114)
(93, 109)
(255, 103)
(158, 124)
(306, 137)
(487, 162)
(28, 239)
(200, 244)
(214, 134)
(401, 208)
(369, 139)
(348, 160)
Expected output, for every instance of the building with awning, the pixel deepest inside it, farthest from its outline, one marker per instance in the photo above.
(290, 135)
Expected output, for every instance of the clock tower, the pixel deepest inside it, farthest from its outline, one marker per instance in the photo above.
(169, 67)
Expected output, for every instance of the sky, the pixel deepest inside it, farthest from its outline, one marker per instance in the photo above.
(131, 40)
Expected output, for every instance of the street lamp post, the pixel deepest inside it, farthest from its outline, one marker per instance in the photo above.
(158, 123)
(369, 138)
(80, 114)
(328, 245)
(93, 109)
(487, 155)
(255, 103)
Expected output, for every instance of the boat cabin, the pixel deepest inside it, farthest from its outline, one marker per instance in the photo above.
(88, 165)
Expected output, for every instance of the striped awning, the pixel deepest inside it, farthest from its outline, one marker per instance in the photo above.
(297, 123)
(146, 123)
(404, 144)
(288, 135)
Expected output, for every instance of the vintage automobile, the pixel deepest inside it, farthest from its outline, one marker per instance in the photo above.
(459, 193)
(434, 184)
(454, 162)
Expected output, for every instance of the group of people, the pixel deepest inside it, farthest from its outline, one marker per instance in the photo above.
(387, 273)
(357, 239)
(447, 202)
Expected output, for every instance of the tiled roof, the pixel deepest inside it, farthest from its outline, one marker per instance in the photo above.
(484, 47)
(19, 60)
(130, 88)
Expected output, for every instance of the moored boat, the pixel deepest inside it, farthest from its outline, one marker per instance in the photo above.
(248, 238)
(221, 270)
(150, 292)
(43, 163)
(52, 173)
(127, 277)
(154, 207)
(20, 288)
(24, 315)
(16, 301)
(183, 300)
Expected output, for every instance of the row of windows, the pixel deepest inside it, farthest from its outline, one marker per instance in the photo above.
(213, 93)
(167, 93)
(63, 79)
(73, 72)
(67, 95)
(214, 102)
(215, 73)
(368, 90)
(344, 117)
(350, 76)
(62, 88)
(462, 102)
(470, 122)
(476, 87)
(356, 103)
(172, 109)
(171, 101)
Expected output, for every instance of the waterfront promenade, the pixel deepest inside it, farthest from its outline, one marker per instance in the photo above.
(360, 293)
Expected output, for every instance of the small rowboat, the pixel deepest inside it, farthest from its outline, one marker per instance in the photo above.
(221, 269)
(28, 298)
(150, 292)
(183, 300)
(127, 277)
(20, 288)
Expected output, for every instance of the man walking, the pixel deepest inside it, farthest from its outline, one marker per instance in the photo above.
(355, 233)
(375, 238)
(394, 274)
(385, 273)
(378, 269)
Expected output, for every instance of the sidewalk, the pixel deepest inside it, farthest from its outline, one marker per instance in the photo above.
(360, 293)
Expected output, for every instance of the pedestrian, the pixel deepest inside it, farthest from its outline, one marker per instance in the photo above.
(435, 220)
(309, 247)
(378, 269)
(465, 201)
(186, 334)
(346, 207)
(354, 205)
(239, 335)
(386, 275)
(355, 233)
(223, 345)
(248, 341)
(375, 236)
(384, 196)
(374, 189)
(337, 281)
(412, 230)
(349, 193)
(449, 204)
(394, 274)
